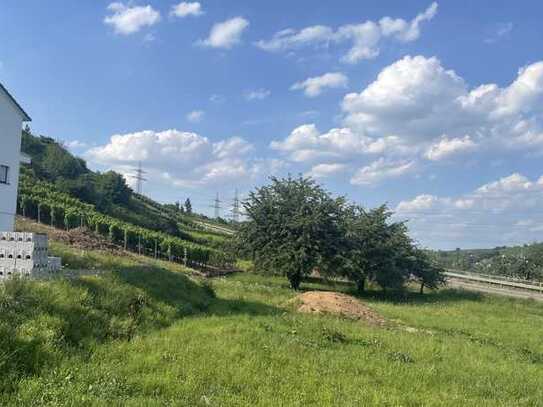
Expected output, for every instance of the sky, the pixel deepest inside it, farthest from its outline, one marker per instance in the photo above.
(434, 108)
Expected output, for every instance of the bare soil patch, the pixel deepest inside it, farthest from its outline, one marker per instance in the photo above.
(84, 239)
(327, 302)
(80, 238)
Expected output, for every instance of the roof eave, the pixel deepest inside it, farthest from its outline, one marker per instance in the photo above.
(26, 117)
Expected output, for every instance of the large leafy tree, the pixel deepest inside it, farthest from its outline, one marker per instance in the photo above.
(375, 248)
(294, 226)
(379, 250)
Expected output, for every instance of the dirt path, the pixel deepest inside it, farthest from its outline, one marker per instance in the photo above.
(489, 289)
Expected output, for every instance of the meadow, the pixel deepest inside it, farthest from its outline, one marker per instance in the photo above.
(142, 332)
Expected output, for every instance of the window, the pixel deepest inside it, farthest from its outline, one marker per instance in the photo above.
(4, 174)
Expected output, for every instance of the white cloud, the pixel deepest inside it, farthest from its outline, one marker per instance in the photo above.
(418, 100)
(258, 94)
(306, 143)
(447, 147)
(185, 9)
(503, 212)
(196, 116)
(417, 109)
(365, 38)
(226, 34)
(179, 158)
(381, 170)
(231, 147)
(326, 170)
(313, 87)
(513, 183)
(127, 19)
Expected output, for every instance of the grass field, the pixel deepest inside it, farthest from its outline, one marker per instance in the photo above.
(144, 333)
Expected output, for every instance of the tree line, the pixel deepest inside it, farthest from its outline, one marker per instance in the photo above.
(295, 227)
(520, 262)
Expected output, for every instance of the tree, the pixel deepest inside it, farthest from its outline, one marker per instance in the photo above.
(374, 248)
(59, 163)
(293, 227)
(112, 189)
(188, 207)
(427, 274)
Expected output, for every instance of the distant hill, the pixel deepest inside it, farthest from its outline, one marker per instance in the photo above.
(522, 262)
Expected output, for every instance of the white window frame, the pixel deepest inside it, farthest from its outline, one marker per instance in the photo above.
(4, 178)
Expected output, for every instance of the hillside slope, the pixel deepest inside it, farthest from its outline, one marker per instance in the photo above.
(59, 189)
(108, 192)
(145, 335)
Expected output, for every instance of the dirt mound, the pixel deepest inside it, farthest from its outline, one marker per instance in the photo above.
(326, 302)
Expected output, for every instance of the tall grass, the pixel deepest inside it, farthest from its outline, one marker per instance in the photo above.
(142, 334)
(43, 322)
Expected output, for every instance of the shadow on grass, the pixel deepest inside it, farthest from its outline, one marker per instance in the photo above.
(175, 288)
(406, 296)
(444, 295)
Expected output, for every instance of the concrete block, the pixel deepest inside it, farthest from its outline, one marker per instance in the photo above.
(7, 263)
(7, 272)
(26, 255)
(54, 264)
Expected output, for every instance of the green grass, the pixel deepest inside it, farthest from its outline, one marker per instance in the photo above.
(145, 334)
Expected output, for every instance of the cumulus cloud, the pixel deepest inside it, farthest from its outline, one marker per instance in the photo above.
(313, 87)
(126, 19)
(381, 170)
(326, 170)
(196, 116)
(502, 212)
(179, 158)
(417, 109)
(418, 100)
(185, 9)
(447, 147)
(365, 38)
(307, 143)
(257, 94)
(226, 34)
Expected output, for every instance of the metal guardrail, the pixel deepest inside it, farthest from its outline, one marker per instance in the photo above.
(495, 277)
(533, 286)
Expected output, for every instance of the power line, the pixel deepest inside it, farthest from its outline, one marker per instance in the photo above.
(217, 206)
(236, 208)
(139, 177)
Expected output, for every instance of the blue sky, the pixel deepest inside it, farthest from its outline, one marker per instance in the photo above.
(434, 108)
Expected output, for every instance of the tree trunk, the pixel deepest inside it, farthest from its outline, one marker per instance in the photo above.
(295, 280)
(360, 284)
(422, 288)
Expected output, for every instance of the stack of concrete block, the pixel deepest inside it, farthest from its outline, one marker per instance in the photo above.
(25, 255)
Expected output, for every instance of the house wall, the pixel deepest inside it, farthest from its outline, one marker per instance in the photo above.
(11, 122)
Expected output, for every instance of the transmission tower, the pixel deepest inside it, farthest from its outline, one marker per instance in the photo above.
(139, 177)
(236, 208)
(217, 206)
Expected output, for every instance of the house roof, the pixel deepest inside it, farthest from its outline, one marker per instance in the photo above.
(26, 117)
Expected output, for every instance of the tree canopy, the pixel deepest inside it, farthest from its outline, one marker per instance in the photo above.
(295, 227)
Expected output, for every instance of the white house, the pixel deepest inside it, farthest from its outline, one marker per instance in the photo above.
(12, 117)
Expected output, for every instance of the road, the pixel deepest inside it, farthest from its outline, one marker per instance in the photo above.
(491, 289)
